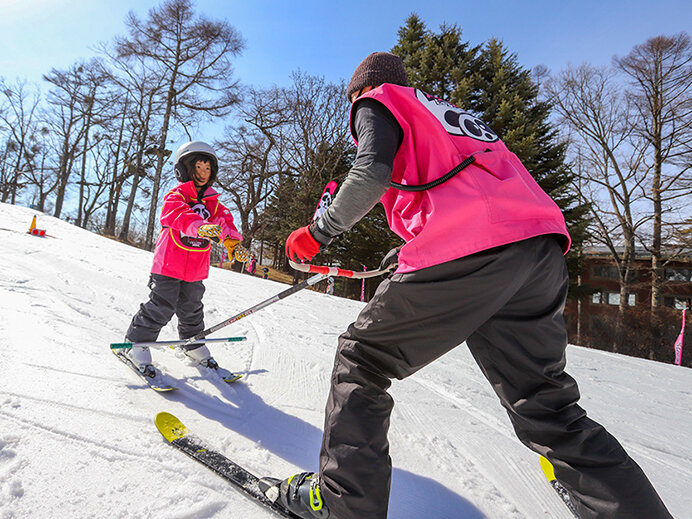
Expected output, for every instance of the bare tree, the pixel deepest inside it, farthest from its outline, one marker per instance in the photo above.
(117, 146)
(18, 116)
(609, 156)
(191, 54)
(41, 175)
(250, 155)
(66, 123)
(141, 93)
(287, 143)
(4, 142)
(93, 108)
(319, 138)
(315, 147)
(93, 188)
(660, 73)
(136, 158)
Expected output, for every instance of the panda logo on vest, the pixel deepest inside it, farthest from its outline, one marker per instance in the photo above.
(196, 242)
(454, 120)
(201, 210)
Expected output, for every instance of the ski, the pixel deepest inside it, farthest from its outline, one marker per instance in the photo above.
(549, 473)
(227, 376)
(156, 383)
(175, 432)
(232, 378)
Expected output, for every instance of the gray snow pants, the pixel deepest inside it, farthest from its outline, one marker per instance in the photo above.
(169, 296)
(507, 304)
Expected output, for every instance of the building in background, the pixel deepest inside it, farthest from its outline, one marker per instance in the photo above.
(590, 319)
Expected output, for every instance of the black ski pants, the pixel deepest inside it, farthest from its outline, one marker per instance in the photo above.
(507, 304)
(169, 296)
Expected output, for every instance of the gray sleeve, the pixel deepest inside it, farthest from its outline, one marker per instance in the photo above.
(379, 136)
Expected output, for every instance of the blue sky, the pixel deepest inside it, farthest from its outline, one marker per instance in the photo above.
(330, 38)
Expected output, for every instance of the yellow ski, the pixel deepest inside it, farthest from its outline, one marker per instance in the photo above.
(549, 472)
(175, 432)
(170, 427)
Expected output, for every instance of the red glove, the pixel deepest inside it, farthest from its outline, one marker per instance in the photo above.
(301, 245)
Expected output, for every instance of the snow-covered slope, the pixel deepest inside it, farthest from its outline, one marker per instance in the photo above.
(77, 437)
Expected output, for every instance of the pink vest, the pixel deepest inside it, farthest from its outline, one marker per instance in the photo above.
(179, 253)
(493, 201)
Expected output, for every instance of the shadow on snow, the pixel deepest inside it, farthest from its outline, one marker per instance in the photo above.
(298, 442)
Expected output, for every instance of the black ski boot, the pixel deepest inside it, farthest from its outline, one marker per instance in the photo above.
(301, 495)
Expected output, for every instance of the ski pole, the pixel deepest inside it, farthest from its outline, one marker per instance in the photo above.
(321, 271)
(336, 271)
(300, 286)
(171, 344)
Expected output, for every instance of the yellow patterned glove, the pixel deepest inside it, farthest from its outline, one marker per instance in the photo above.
(235, 250)
(211, 231)
(230, 245)
(242, 254)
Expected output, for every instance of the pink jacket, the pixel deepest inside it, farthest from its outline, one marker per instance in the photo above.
(492, 202)
(179, 252)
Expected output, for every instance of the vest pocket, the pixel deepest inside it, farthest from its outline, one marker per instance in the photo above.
(190, 243)
(508, 189)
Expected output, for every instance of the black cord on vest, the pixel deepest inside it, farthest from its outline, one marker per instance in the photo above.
(424, 187)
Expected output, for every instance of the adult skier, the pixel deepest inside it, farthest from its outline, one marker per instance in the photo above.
(191, 215)
(482, 263)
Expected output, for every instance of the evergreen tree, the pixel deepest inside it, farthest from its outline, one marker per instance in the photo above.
(439, 64)
(279, 215)
(295, 198)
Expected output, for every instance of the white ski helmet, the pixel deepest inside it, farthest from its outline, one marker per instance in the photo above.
(194, 148)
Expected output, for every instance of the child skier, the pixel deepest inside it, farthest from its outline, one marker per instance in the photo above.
(191, 216)
(252, 266)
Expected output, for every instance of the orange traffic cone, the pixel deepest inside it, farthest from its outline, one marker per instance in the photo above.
(34, 231)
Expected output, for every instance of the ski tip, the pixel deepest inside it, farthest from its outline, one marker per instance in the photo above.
(232, 378)
(548, 469)
(170, 427)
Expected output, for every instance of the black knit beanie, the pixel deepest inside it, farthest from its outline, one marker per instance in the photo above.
(378, 68)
